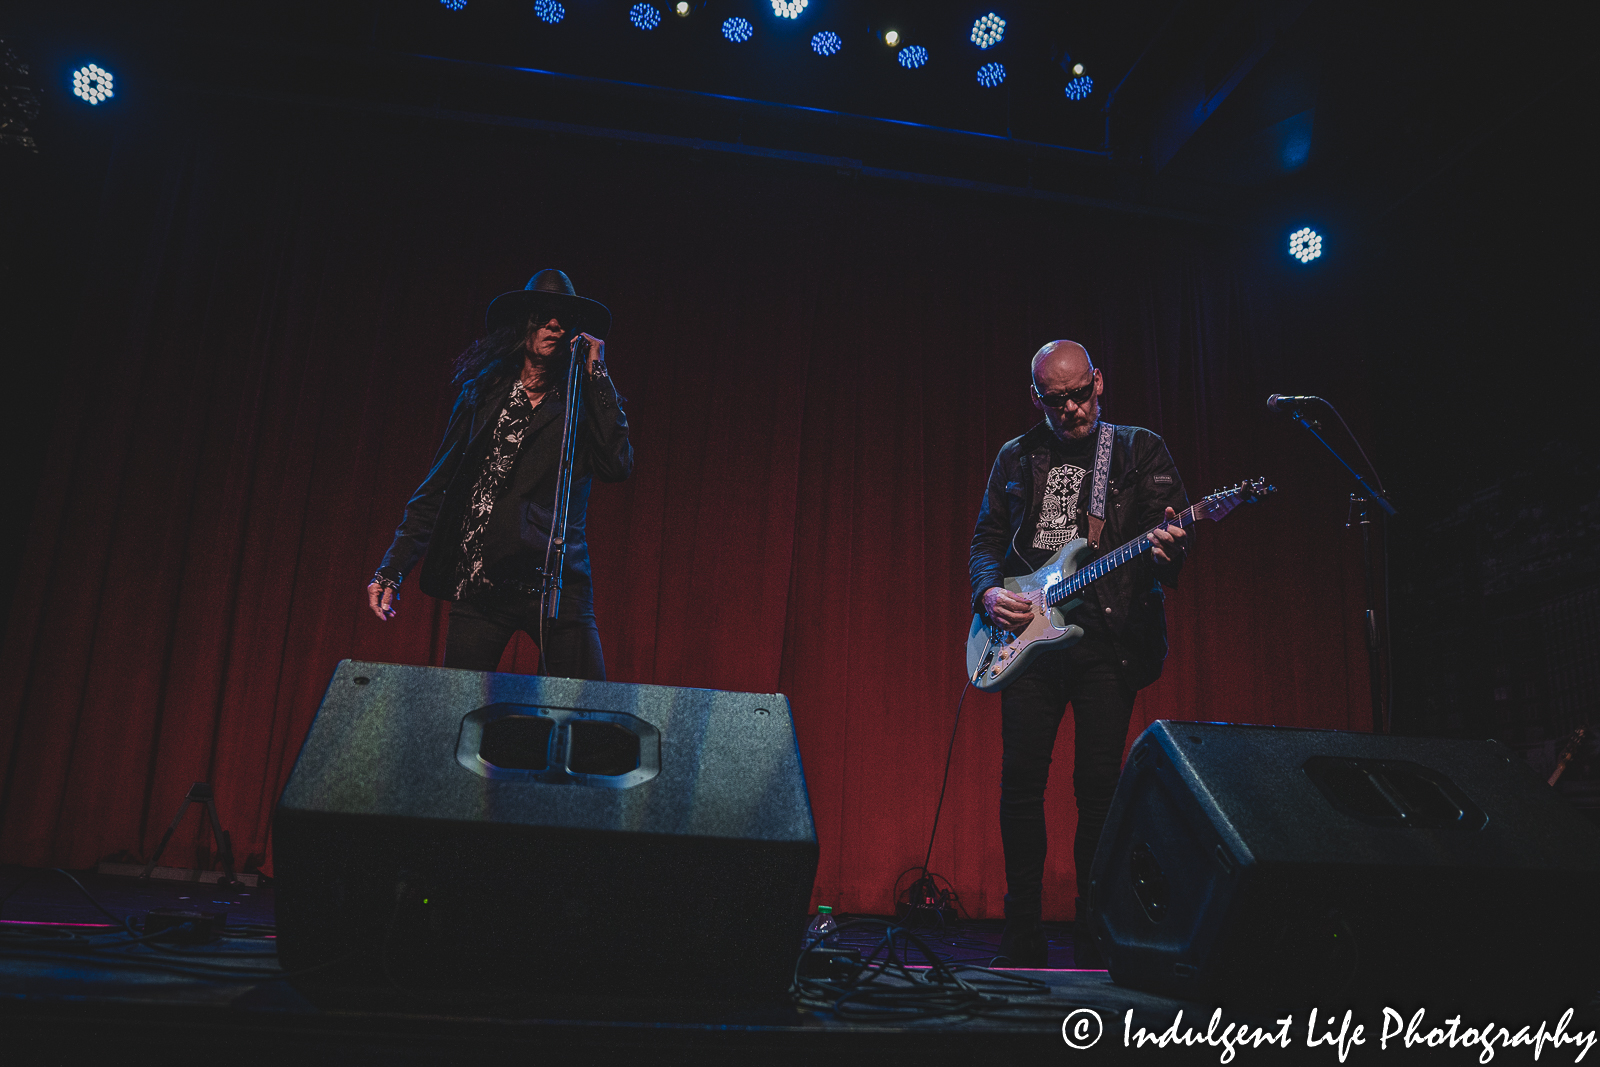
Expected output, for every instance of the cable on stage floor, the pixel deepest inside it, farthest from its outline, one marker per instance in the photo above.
(123, 945)
(882, 987)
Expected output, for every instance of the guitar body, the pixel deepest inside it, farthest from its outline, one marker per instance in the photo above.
(995, 657)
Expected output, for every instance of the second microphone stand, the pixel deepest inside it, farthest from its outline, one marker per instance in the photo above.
(1359, 503)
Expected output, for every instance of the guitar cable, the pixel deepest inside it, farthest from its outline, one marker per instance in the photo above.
(924, 887)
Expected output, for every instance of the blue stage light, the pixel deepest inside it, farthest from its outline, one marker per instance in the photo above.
(1305, 244)
(988, 31)
(789, 9)
(1078, 88)
(454, 5)
(738, 30)
(93, 83)
(991, 74)
(912, 56)
(644, 17)
(549, 11)
(826, 43)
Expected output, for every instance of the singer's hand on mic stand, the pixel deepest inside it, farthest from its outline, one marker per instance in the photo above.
(597, 352)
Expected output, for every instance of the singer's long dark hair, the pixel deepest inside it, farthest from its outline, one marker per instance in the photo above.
(491, 361)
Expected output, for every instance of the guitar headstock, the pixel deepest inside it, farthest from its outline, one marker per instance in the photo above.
(1249, 491)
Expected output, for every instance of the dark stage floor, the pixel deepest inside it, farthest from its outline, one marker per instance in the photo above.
(69, 1004)
(65, 1004)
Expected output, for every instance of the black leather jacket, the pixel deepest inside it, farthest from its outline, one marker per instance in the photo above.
(435, 511)
(1143, 484)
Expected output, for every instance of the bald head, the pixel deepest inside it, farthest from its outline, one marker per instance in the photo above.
(1063, 373)
(1066, 361)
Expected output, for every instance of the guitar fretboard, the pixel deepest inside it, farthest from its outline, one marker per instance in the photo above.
(1109, 562)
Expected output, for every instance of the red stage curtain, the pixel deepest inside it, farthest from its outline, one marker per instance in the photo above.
(821, 369)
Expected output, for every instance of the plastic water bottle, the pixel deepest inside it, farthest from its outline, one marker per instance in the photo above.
(823, 931)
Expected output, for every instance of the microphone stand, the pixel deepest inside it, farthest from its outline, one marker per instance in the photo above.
(555, 552)
(1359, 515)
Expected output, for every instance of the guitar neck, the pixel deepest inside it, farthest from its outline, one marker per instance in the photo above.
(1109, 562)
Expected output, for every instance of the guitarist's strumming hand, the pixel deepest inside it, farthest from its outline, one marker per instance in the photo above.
(1167, 544)
(1007, 608)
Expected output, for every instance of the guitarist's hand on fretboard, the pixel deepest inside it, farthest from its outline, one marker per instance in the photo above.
(1006, 608)
(1169, 543)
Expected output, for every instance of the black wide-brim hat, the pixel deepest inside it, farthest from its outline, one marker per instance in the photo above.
(550, 288)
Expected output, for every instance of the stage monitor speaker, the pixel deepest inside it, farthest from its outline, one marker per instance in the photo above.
(1285, 866)
(448, 828)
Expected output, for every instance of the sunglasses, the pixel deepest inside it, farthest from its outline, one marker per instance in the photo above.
(541, 317)
(1080, 395)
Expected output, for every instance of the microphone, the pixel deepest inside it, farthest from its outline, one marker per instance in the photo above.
(1278, 402)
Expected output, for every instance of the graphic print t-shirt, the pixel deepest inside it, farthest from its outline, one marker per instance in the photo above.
(1064, 498)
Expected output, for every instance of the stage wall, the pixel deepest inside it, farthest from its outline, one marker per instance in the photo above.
(820, 369)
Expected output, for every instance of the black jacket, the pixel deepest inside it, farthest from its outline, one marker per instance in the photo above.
(1143, 484)
(435, 511)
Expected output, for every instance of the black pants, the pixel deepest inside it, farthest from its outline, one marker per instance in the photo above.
(1089, 677)
(483, 621)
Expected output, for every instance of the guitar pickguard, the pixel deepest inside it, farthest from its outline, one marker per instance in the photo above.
(995, 656)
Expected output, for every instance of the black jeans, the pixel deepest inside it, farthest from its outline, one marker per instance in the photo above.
(1088, 676)
(482, 622)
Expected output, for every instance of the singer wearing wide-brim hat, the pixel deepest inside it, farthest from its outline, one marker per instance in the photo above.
(484, 511)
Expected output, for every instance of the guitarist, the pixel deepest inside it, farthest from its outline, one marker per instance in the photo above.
(1038, 499)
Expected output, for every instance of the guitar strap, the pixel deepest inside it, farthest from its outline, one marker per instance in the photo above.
(1097, 488)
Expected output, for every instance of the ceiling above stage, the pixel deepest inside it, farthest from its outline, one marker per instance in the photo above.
(831, 55)
(1227, 108)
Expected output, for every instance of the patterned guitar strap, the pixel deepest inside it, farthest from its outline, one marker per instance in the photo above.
(1097, 489)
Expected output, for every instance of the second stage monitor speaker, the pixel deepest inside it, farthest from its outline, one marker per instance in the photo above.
(1286, 866)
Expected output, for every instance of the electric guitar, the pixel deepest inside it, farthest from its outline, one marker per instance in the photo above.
(995, 656)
